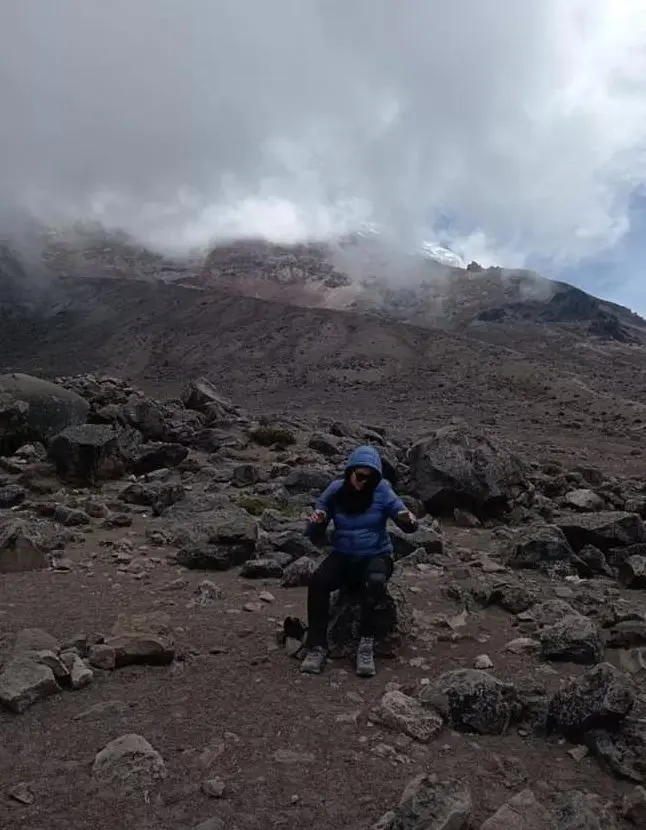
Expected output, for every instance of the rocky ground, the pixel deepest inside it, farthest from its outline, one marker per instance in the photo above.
(150, 553)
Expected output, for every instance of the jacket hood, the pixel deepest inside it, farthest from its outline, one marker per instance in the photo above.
(365, 456)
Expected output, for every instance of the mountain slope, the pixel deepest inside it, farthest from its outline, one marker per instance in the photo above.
(361, 274)
(271, 356)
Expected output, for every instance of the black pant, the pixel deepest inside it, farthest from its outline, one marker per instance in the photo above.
(367, 575)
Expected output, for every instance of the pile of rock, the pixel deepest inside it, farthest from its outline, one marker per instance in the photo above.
(430, 803)
(38, 666)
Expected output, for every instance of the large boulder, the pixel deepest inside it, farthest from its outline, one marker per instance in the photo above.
(230, 540)
(623, 750)
(158, 495)
(473, 701)
(393, 616)
(605, 530)
(600, 699)
(574, 639)
(32, 409)
(89, 453)
(202, 396)
(161, 421)
(539, 546)
(457, 466)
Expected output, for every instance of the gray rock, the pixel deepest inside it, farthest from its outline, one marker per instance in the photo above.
(508, 594)
(539, 546)
(231, 539)
(430, 804)
(633, 807)
(590, 561)
(604, 530)
(80, 674)
(307, 480)
(129, 763)
(622, 751)
(202, 396)
(550, 612)
(146, 459)
(11, 495)
(573, 639)
(34, 410)
(457, 466)
(585, 500)
(400, 712)
(167, 422)
(261, 569)
(24, 681)
(245, 475)
(473, 701)
(102, 656)
(627, 634)
(157, 495)
(327, 445)
(393, 622)
(632, 573)
(89, 453)
(576, 810)
(600, 698)
(463, 518)
(70, 516)
(522, 812)
(298, 573)
(22, 548)
(142, 638)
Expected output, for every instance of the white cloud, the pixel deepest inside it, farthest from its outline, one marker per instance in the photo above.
(525, 122)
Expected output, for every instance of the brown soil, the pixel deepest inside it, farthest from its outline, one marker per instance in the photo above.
(249, 700)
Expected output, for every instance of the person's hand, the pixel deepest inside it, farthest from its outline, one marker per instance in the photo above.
(318, 517)
(406, 517)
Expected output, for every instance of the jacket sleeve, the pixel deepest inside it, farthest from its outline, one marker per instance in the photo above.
(314, 530)
(394, 505)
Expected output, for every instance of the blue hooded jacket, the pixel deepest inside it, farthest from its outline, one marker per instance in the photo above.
(362, 534)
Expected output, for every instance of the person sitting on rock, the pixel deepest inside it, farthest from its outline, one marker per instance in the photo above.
(360, 505)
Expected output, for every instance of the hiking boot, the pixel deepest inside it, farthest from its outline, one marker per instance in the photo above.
(366, 658)
(314, 661)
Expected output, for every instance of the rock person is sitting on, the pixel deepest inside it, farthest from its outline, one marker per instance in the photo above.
(359, 505)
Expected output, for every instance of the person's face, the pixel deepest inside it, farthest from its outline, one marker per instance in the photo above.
(360, 476)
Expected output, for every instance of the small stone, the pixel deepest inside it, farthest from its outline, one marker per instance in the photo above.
(266, 596)
(483, 662)
(522, 645)
(80, 674)
(21, 793)
(252, 606)
(213, 787)
(578, 752)
(207, 591)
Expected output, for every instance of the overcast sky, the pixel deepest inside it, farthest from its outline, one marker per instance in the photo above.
(515, 132)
